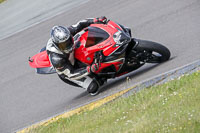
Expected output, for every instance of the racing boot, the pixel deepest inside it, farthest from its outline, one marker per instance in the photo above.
(93, 88)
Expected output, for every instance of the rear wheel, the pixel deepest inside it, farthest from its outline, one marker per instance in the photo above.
(151, 52)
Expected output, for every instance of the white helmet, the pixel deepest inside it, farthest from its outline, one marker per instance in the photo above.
(62, 39)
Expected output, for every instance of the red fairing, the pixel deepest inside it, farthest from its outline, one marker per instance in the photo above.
(85, 53)
(40, 60)
(88, 47)
(104, 65)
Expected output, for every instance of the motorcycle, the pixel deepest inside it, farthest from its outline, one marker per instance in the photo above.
(110, 45)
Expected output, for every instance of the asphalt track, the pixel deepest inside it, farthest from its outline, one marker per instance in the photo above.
(26, 97)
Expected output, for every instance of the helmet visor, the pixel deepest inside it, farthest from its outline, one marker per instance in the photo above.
(66, 46)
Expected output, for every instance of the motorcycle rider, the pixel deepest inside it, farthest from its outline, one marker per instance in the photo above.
(61, 55)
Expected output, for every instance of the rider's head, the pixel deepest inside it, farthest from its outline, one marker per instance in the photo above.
(62, 39)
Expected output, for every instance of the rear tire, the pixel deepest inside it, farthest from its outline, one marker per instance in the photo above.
(152, 52)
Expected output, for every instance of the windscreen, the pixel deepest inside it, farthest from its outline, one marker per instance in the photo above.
(95, 36)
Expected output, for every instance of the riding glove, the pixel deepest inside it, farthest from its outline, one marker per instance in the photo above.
(100, 20)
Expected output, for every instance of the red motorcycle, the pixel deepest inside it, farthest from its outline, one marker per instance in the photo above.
(110, 45)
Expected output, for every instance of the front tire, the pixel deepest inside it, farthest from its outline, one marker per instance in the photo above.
(151, 52)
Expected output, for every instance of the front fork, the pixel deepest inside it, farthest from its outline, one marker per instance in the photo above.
(131, 61)
(131, 54)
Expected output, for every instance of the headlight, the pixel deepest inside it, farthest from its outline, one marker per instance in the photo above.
(121, 38)
(117, 37)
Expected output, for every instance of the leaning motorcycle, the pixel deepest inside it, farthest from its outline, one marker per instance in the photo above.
(110, 45)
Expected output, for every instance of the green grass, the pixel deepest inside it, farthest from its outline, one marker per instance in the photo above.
(2, 1)
(171, 107)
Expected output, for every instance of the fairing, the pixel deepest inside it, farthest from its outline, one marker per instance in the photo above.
(111, 39)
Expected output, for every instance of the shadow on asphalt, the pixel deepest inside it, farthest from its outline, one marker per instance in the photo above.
(117, 81)
(120, 80)
(131, 75)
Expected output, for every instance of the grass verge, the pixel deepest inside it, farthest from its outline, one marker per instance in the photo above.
(171, 107)
(2, 1)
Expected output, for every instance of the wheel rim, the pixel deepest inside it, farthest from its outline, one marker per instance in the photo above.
(155, 57)
(151, 57)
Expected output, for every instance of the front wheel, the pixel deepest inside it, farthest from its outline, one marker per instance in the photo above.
(151, 52)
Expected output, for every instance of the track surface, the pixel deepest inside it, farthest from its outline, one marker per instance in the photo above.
(26, 97)
(17, 16)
